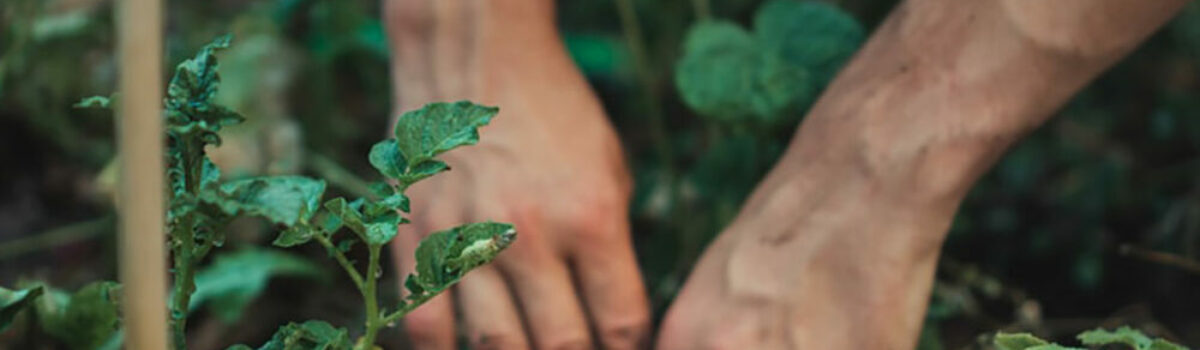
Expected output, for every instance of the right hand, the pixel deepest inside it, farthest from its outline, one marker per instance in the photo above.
(549, 163)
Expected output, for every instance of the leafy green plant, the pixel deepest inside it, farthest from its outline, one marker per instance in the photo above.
(442, 257)
(1126, 337)
(200, 205)
(86, 319)
(771, 75)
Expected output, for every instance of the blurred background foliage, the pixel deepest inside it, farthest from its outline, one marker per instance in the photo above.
(1094, 219)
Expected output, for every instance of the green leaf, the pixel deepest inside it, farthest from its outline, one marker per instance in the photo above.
(94, 102)
(378, 228)
(191, 92)
(310, 335)
(440, 127)
(294, 236)
(444, 257)
(285, 200)
(236, 279)
(1124, 336)
(385, 156)
(13, 302)
(1160, 344)
(815, 35)
(87, 319)
(397, 201)
(725, 74)
(1016, 341)
(423, 134)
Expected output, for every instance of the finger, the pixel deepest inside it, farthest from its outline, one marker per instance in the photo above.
(430, 326)
(490, 312)
(542, 285)
(611, 286)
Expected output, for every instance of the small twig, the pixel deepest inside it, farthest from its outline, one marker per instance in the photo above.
(1158, 257)
(70, 233)
(641, 65)
(341, 259)
(409, 307)
(338, 176)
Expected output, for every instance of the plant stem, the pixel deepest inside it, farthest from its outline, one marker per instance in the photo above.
(57, 236)
(641, 65)
(341, 259)
(409, 307)
(374, 321)
(1160, 257)
(337, 175)
(185, 283)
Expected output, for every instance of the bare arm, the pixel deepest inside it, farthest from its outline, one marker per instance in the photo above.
(837, 247)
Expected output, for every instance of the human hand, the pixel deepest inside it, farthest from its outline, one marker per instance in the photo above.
(812, 262)
(549, 163)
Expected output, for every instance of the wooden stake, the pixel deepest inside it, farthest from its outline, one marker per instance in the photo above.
(143, 267)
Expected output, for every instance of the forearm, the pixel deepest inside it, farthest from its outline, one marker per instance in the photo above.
(944, 87)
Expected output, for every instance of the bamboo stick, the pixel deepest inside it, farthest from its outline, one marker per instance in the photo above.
(142, 254)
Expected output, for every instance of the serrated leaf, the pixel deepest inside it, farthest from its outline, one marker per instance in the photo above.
(1123, 335)
(385, 156)
(294, 236)
(236, 279)
(1016, 341)
(381, 189)
(13, 302)
(444, 257)
(310, 335)
(423, 134)
(815, 35)
(396, 201)
(285, 200)
(190, 94)
(1160, 344)
(94, 102)
(423, 170)
(378, 228)
(440, 127)
(87, 319)
(725, 74)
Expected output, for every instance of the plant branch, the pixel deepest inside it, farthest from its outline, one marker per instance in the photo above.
(1164, 258)
(338, 176)
(341, 259)
(57, 236)
(374, 321)
(641, 64)
(182, 243)
(409, 307)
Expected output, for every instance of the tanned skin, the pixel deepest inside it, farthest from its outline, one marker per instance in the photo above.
(835, 249)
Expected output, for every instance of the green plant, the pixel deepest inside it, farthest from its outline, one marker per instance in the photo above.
(770, 76)
(200, 205)
(1125, 337)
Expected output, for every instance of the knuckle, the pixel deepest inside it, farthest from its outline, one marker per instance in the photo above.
(594, 214)
(564, 342)
(498, 341)
(425, 326)
(624, 335)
